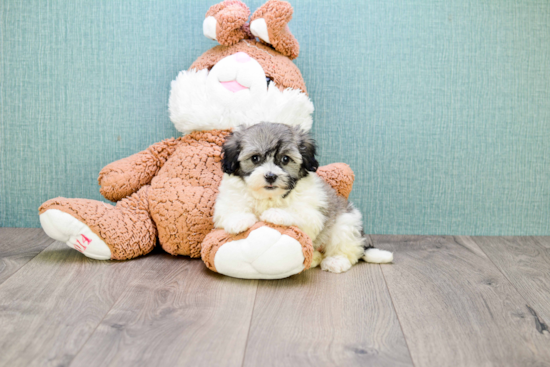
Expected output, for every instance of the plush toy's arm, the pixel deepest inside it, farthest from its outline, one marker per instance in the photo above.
(126, 176)
(338, 175)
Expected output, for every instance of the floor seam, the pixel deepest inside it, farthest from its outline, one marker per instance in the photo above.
(250, 324)
(393, 304)
(397, 315)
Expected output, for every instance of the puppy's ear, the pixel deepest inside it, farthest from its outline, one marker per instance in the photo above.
(230, 154)
(307, 147)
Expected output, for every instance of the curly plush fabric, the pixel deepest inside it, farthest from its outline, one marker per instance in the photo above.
(126, 228)
(277, 14)
(124, 177)
(178, 204)
(276, 66)
(184, 191)
(219, 237)
(231, 17)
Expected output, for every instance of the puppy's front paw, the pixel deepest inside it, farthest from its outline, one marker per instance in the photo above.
(238, 223)
(336, 264)
(277, 216)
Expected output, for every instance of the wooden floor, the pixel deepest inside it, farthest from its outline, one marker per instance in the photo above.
(446, 301)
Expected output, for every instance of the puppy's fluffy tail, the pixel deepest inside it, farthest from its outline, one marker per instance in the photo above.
(374, 255)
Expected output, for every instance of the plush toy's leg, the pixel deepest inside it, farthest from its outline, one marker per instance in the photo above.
(270, 24)
(102, 231)
(265, 251)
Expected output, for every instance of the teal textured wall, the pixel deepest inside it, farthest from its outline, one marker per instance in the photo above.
(441, 107)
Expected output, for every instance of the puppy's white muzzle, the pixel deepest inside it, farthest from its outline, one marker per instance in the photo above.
(267, 180)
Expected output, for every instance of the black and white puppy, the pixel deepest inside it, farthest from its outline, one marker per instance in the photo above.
(270, 176)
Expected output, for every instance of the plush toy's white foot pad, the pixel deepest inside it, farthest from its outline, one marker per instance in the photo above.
(64, 227)
(336, 264)
(374, 255)
(264, 254)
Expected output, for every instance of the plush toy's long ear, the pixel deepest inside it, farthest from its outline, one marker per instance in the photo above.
(270, 24)
(226, 22)
(230, 154)
(307, 148)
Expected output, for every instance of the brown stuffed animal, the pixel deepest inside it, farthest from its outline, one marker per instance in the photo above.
(169, 189)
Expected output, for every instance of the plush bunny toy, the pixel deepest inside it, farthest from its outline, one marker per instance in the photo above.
(168, 190)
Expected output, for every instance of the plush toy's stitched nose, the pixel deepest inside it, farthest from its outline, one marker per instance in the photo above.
(270, 177)
(242, 57)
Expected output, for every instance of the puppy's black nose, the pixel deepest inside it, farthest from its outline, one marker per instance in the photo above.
(270, 177)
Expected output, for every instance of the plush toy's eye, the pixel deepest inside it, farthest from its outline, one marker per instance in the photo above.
(286, 159)
(255, 158)
(268, 80)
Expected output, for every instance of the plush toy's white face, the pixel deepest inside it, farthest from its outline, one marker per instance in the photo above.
(234, 92)
(237, 80)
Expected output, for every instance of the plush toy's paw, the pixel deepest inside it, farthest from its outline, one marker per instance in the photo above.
(276, 216)
(226, 22)
(238, 223)
(336, 264)
(263, 252)
(270, 24)
(65, 228)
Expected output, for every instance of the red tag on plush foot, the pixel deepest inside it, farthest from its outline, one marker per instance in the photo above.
(82, 246)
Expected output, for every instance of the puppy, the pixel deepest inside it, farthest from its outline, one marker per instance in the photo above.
(270, 176)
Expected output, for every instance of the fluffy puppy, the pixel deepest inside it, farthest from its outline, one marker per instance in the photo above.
(270, 176)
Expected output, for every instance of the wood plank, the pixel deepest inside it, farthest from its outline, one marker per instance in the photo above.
(50, 307)
(322, 319)
(544, 241)
(18, 246)
(526, 263)
(178, 314)
(456, 308)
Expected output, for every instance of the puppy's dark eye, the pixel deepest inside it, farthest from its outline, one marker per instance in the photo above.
(286, 159)
(268, 80)
(255, 158)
